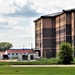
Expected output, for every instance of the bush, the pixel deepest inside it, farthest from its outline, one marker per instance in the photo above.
(65, 54)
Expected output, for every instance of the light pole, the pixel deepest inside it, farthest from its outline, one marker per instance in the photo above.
(45, 57)
(23, 48)
(31, 45)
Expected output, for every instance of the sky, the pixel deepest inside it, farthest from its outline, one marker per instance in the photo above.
(17, 16)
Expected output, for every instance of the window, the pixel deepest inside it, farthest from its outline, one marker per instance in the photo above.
(12, 53)
(8, 53)
(16, 53)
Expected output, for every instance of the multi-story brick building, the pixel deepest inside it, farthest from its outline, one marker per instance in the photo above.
(52, 29)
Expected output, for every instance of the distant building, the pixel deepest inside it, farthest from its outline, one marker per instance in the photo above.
(20, 54)
(52, 29)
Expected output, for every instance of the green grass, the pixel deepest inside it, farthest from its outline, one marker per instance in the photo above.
(38, 62)
(27, 63)
(41, 61)
(4, 70)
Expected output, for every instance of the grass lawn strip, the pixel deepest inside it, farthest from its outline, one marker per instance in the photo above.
(4, 70)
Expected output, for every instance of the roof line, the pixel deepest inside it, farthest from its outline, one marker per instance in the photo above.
(54, 14)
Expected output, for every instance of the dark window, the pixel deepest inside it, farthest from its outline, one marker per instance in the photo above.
(16, 53)
(68, 30)
(8, 53)
(47, 32)
(69, 39)
(12, 53)
(47, 43)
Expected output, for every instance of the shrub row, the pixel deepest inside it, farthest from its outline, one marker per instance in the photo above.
(27, 63)
(38, 62)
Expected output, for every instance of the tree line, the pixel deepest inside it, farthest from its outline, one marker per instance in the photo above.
(5, 46)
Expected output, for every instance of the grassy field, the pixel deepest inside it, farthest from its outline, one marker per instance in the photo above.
(37, 71)
(37, 62)
(6, 69)
(42, 61)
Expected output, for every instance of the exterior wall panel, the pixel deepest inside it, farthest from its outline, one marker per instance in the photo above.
(47, 43)
(47, 32)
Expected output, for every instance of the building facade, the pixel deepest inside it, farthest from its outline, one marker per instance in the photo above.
(17, 53)
(52, 29)
(20, 54)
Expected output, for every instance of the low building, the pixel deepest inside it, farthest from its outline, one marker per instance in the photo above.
(20, 54)
(33, 56)
(1, 55)
(16, 53)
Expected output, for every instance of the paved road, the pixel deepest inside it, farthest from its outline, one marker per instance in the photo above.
(43, 65)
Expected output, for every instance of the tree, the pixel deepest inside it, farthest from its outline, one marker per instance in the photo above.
(65, 54)
(5, 46)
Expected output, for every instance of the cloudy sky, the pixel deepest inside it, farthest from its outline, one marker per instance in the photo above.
(17, 16)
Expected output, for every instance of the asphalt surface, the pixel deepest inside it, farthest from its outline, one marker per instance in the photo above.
(43, 65)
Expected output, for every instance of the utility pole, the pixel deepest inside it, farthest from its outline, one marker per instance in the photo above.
(23, 48)
(31, 45)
